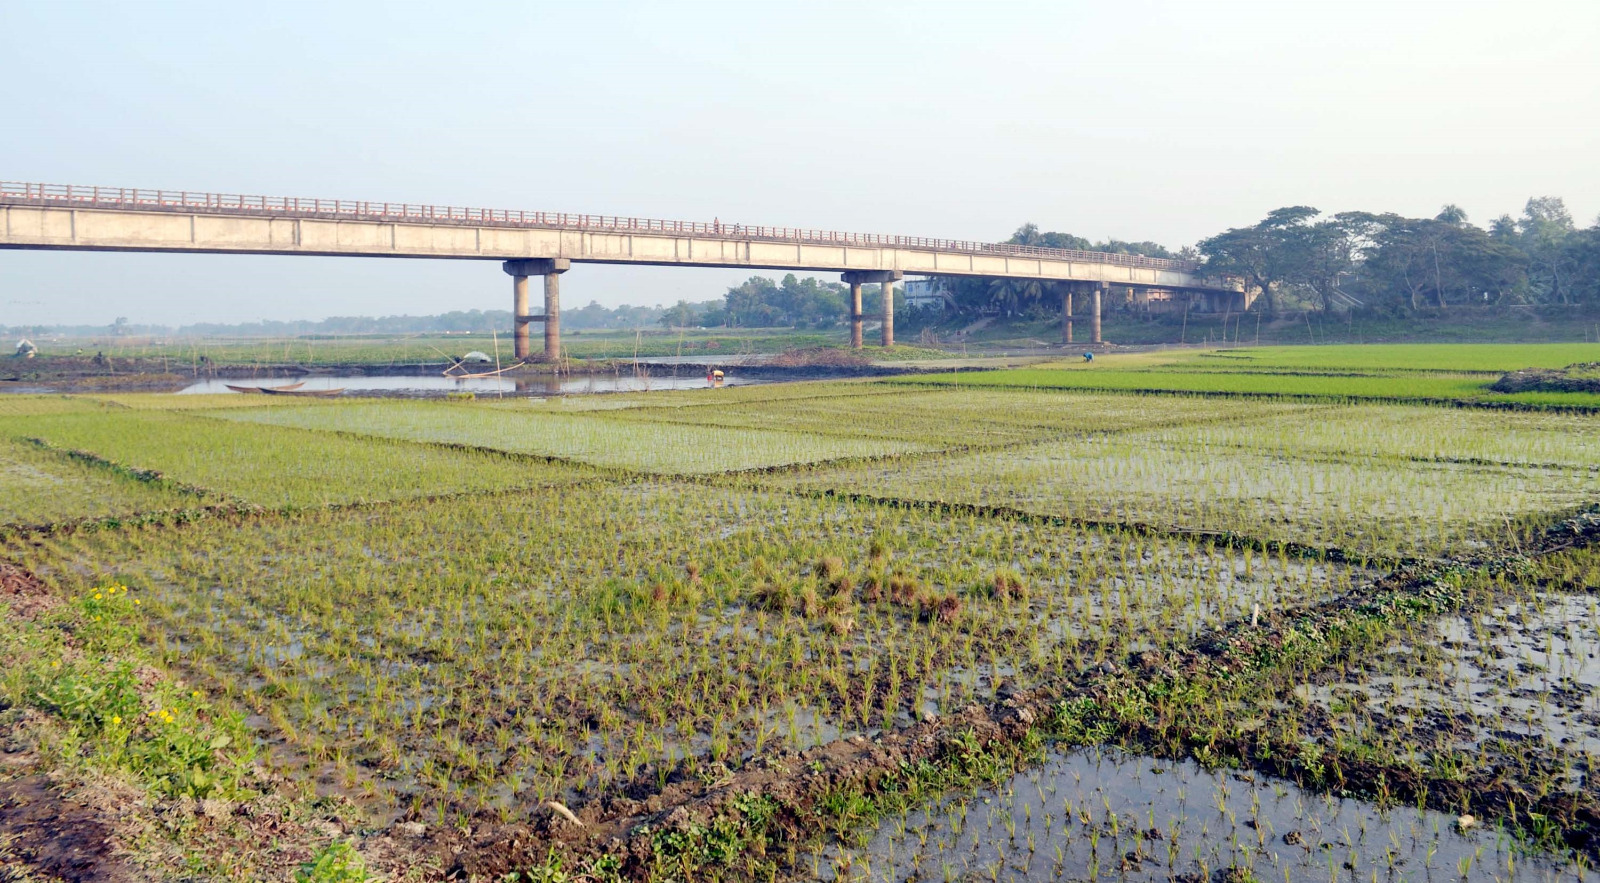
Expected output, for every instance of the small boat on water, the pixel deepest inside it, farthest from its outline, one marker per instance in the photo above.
(477, 375)
(286, 388)
(301, 392)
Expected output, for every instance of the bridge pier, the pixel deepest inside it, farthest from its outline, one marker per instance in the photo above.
(1066, 316)
(887, 279)
(519, 270)
(888, 310)
(1094, 320)
(855, 315)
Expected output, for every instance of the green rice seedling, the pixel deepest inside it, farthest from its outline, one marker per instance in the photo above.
(589, 438)
(276, 466)
(40, 486)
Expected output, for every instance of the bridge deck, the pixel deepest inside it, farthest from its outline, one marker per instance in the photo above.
(105, 218)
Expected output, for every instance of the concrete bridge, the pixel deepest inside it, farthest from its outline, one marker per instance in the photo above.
(53, 216)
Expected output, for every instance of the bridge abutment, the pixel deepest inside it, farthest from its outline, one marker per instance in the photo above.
(551, 269)
(886, 278)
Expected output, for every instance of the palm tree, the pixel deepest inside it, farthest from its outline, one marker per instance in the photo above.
(1013, 295)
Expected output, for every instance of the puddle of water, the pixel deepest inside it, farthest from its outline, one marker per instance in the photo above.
(540, 385)
(1099, 813)
(1522, 670)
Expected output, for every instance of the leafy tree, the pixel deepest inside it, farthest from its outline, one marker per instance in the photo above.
(1264, 255)
(1545, 227)
(794, 301)
(680, 315)
(1443, 259)
(1582, 259)
(1029, 234)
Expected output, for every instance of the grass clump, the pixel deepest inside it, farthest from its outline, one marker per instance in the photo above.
(82, 666)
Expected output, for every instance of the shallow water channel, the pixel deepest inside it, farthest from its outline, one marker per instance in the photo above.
(1102, 814)
(434, 383)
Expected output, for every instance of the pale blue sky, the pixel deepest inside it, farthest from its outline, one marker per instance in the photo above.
(1139, 120)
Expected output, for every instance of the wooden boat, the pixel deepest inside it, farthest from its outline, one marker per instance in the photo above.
(301, 392)
(285, 388)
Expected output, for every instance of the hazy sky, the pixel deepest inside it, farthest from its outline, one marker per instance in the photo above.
(1164, 121)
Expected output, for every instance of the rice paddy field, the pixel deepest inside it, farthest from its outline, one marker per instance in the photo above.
(839, 631)
(1459, 373)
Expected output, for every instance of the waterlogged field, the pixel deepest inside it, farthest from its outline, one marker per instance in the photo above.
(1200, 479)
(1094, 815)
(596, 439)
(40, 486)
(1513, 682)
(971, 418)
(664, 624)
(274, 466)
(839, 631)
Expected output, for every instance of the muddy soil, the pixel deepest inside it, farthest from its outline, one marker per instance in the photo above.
(1142, 820)
(26, 594)
(1581, 377)
(624, 826)
(56, 837)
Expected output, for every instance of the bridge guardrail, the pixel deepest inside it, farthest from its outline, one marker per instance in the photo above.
(70, 195)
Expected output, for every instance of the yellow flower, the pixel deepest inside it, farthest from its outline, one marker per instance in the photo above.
(195, 694)
(116, 720)
(135, 602)
(97, 596)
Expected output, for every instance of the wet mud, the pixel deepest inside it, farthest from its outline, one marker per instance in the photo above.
(56, 837)
(624, 827)
(1100, 813)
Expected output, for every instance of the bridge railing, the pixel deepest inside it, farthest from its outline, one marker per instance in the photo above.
(12, 192)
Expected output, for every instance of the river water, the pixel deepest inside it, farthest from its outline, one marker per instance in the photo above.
(435, 384)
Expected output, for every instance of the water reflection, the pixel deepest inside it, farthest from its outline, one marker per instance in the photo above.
(1099, 814)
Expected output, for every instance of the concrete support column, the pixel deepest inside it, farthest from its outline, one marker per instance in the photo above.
(552, 317)
(519, 317)
(886, 278)
(855, 315)
(551, 269)
(1094, 320)
(888, 312)
(1066, 316)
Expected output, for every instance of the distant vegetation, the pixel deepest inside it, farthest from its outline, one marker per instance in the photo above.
(760, 302)
(593, 316)
(1377, 264)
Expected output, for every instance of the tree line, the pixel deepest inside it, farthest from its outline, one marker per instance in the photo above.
(1300, 258)
(791, 302)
